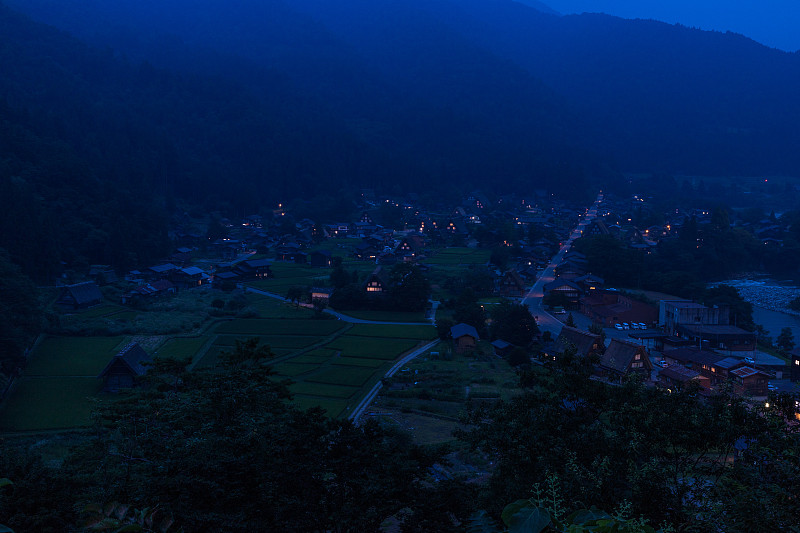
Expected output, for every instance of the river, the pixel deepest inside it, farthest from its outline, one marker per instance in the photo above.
(770, 299)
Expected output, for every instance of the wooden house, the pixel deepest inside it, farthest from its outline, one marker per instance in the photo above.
(584, 342)
(749, 381)
(794, 370)
(622, 358)
(511, 284)
(465, 337)
(676, 377)
(377, 282)
(80, 296)
(149, 291)
(189, 277)
(254, 269)
(320, 258)
(125, 368)
(570, 290)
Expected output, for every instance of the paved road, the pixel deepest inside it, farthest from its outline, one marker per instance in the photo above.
(363, 404)
(533, 298)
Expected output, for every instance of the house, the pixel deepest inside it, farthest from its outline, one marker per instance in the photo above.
(80, 296)
(288, 252)
(160, 271)
(676, 377)
(794, 371)
(511, 284)
(409, 247)
(590, 282)
(622, 358)
(570, 290)
(584, 342)
(611, 307)
(190, 277)
(254, 269)
(465, 337)
(320, 258)
(365, 251)
(719, 337)
(570, 268)
(377, 281)
(321, 295)
(149, 291)
(749, 381)
(226, 279)
(125, 368)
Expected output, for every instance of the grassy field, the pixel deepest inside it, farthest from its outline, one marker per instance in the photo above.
(290, 275)
(323, 389)
(388, 316)
(268, 307)
(72, 356)
(258, 327)
(372, 347)
(391, 330)
(274, 341)
(44, 403)
(343, 375)
(182, 347)
(333, 407)
(60, 388)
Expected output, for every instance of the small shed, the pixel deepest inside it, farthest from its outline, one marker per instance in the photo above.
(502, 348)
(124, 368)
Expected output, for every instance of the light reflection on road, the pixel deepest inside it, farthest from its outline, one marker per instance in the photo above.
(533, 298)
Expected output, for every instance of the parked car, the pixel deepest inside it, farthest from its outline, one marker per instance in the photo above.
(625, 325)
(618, 326)
(642, 325)
(772, 387)
(749, 360)
(662, 363)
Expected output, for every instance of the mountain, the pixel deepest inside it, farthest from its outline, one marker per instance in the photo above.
(646, 96)
(539, 6)
(119, 110)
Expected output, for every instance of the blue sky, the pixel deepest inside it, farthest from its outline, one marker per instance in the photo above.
(775, 23)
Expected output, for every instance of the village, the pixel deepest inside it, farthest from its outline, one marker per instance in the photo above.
(426, 267)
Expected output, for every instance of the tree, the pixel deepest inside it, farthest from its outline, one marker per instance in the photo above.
(410, 288)
(339, 276)
(741, 311)
(513, 323)
(785, 340)
(20, 315)
(443, 326)
(570, 321)
(227, 452)
(296, 294)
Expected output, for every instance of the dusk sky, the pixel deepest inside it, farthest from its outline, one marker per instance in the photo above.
(774, 23)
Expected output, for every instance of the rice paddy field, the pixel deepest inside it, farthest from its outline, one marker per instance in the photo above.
(60, 386)
(331, 363)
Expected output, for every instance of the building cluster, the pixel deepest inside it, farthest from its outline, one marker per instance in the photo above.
(232, 252)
